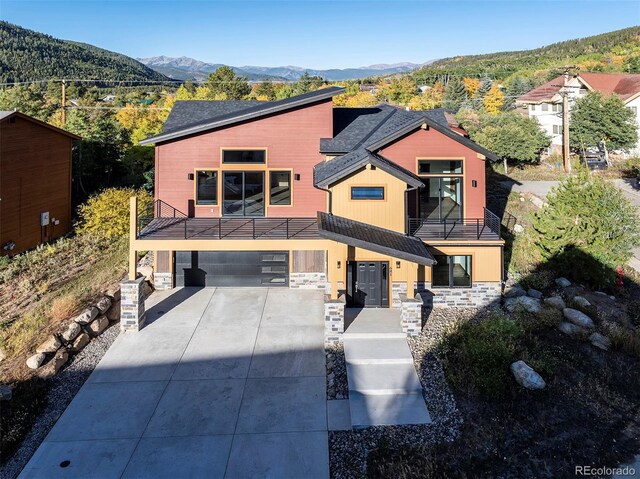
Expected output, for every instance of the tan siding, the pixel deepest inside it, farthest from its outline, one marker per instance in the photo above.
(486, 262)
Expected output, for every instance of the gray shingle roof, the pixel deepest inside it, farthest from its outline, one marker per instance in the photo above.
(328, 172)
(188, 112)
(374, 238)
(246, 114)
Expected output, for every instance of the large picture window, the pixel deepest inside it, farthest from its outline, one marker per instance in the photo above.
(280, 188)
(206, 187)
(451, 272)
(439, 167)
(367, 192)
(244, 156)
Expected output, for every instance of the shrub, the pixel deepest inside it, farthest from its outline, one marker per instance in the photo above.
(63, 306)
(107, 213)
(479, 355)
(587, 229)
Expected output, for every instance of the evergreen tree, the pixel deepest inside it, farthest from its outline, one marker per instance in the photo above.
(265, 90)
(225, 84)
(307, 83)
(455, 94)
(27, 99)
(518, 86)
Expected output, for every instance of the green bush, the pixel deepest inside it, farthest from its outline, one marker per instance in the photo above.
(479, 355)
(587, 229)
(107, 213)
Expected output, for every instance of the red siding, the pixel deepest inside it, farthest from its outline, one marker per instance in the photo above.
(292, 140)
(431, 143)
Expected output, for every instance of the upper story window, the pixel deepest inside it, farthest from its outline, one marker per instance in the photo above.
(244, 156)
(439, 167)
(557, 107)
(280, 188)
(206, 187)
(545, 107)
(634, 109)
(367, 192)
(557, 129)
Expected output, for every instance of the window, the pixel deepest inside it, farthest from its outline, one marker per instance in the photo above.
(634, 109)
(451, 272)
(367, 193)
(280, 187)
(545, 107)
(556, 107)
(206, 187)
(557, 129)
(438, 167)
(244, 156)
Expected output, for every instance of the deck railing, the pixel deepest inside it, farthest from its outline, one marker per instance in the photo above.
(456, 228)
(160, 209)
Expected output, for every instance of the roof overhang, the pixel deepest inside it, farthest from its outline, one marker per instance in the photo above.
(374, 238)
(8, 115)
(253, 113)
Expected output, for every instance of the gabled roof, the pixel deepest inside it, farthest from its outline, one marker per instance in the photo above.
(5, 115)
(374, 238)
(188, 112)
(625, 85)
(328, 172)
(252, 112)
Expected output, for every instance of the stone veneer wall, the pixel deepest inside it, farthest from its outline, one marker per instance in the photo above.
(309, 281)
(398, 288)
(411, 314)
(132, 312)
(479, 295)
(333, 321)
(162, 281)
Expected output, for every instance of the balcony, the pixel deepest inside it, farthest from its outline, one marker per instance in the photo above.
(464, 229)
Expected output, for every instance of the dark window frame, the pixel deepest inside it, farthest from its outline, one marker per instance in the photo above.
(213, 202)
(243, 150)
(370, 197)
(451, 171)
(450, 266)
(271, 194)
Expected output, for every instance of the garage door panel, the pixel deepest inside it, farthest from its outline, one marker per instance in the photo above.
(232, 268)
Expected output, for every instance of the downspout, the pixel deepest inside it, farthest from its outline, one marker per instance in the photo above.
(406, 208)
(330, 197)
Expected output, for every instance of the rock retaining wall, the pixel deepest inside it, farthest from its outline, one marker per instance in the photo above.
(479, 295)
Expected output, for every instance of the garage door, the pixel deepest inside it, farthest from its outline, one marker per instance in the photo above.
(232, 268)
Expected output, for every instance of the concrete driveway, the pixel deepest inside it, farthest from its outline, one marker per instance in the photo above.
(220, 383)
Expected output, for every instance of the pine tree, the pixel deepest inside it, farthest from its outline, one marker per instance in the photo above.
(454, 94)
(225, 84)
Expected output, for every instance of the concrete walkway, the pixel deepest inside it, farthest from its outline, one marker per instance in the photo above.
(221, 383)
(384, 388)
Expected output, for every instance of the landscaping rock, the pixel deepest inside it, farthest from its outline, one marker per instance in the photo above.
(532, 305)
(80, 342)
(571, 329)
(514, 291)
(526, 376)
(72, 332)
(114, 311)
(87, 315)
(518, 229)
(104, 304)
(600, 341)
(537, 202)
(114, 292)
(578, 318)
(146, 271)
(51, 345)
(563, 282)
(3, 355)
(534, 293)
(52, 367)
(99, 325)
(5, 392)
(35, 361)
(581, 301)
(555, 302)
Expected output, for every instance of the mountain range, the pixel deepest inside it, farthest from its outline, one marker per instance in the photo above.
(185, 68)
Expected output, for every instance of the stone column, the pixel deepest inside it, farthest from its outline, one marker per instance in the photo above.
(333, 321)
(162, 281)
(132, 312)
(411, 315)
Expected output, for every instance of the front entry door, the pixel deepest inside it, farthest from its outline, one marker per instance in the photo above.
(368, 284)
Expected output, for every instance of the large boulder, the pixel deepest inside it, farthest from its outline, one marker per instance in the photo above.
(114, 311)
(572, 330)
(518, 229)
(146, 271)
(600, 341)
(80, 342)
(71, 332)
(35, 361)
(5, 392)
(527, 303)
(114, 292)
(51, 345)
(581, 301)
(104, 304)
(52, 367)
(563, 282)
(526, 376)
(514, 291)
(99, 325)
(87, 315)
(534, 293)
(578, 318)
(555, 302)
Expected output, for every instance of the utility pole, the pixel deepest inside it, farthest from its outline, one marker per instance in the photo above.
(564, 92)
(64, 103)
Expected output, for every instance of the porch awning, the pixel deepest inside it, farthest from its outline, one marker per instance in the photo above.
(374, 238)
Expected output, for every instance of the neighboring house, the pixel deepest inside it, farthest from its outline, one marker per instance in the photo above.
(371, 203)
(545, 102)
(35, 182)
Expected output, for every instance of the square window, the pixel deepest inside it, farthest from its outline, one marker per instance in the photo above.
(367, 193)
(206, 187)
(280, 187)
(451, 272)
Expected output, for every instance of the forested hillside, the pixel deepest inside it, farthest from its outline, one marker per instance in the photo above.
(617, 51)
(26, 55)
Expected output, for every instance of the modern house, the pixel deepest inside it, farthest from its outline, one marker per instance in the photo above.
(35, 182)
(545, 102)
(366, 204)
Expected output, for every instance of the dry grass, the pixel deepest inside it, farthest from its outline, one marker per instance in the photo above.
(625, 339)
(63, 307)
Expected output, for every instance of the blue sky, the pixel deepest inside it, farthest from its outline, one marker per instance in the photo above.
(319, 34)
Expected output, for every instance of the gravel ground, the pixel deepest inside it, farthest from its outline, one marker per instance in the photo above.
(337, 386)
(348, 450)
(62, 390)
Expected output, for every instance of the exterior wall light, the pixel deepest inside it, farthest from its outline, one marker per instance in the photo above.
(297, 176)
(189, 176)
(397, 264)
(474, 183)
(339, 264)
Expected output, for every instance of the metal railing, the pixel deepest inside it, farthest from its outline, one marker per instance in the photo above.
(456, 228)
(159, 209)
